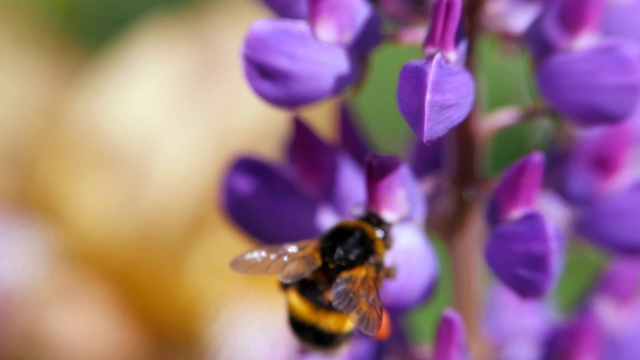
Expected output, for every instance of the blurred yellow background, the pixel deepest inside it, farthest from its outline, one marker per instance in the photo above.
(110, 163)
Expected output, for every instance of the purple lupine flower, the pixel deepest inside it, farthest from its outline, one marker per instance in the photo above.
(314, 54)
(608, 326)
(598, 162)
(450, 337)
(516, 327)
(287, 66)
(597, 177)
(611, 220)
(437, 93)
(524, 249)
(319, 186)
(427, 161)
(596, 85)
(524, 254)
(517, 191)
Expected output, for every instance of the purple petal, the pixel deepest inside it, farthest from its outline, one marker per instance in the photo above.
(313, 161)
(326, 174)
(525, 255)
(287, 66)
(612, 221)
(445, 18)
(615, 305)
(393, 191)
(434, 96)
(621, 279)
(607, 327)
(621, 343)
(596, 163)
(352, 24)
(578, 339)
(351, 138)
(259, 198)
(597, 85)
(517, 327)
(620, 19)
(562, 24)
(349, 194)
(579, 16)
(294, 9)
(450, 337)
(416, 268)
(426, 159)
(518, 189)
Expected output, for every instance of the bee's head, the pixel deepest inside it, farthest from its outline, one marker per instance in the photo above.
(381, 227)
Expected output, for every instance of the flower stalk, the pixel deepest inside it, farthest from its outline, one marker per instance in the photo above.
(466, 231)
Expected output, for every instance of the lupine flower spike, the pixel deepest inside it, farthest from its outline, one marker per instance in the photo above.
(585, 56)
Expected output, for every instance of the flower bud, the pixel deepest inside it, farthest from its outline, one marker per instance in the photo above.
(518, 189)
(450, 337)
(434, 96)
(525, 254)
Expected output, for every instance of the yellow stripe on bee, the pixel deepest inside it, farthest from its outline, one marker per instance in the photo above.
(333, 322)
(378, 243)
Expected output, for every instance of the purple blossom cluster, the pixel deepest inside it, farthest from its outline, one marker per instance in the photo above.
(582, 186)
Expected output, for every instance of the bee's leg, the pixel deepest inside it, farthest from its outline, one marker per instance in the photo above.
(389, 272)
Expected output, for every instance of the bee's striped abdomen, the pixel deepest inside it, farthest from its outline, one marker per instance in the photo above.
(317, 324)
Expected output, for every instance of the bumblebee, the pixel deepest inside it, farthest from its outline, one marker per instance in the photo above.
(331, 283)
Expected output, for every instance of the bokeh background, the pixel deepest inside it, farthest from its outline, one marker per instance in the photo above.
(118, 119)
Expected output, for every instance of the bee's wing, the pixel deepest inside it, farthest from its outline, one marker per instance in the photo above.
(355, 292)
(291, 262)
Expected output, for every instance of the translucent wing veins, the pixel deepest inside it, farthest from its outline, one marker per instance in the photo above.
(291, 262)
